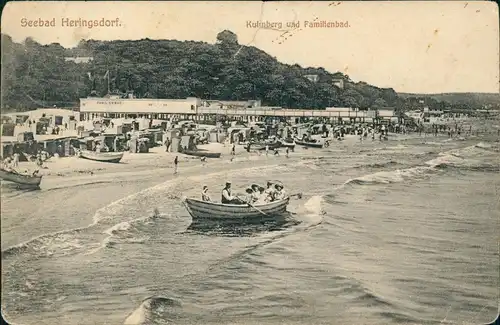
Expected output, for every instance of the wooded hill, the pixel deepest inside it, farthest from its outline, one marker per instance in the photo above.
(35, 75)
(473, 100)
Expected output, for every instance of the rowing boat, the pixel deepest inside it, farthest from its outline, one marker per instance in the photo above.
(202, 153)
(20, 178)
(289, 145)
(204, 211)
(262, 146)
(309, 144)
(111, 157)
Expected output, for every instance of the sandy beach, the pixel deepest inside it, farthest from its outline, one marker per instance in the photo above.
(71, 185)
(82, 180)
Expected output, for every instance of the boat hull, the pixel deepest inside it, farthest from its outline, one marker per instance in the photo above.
(202, 153)
(309, 144)
(262, 146)
(20, 179)
(290, 145)
(210, 211)
(109, 157)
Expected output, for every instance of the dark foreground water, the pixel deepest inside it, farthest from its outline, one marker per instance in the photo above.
(401, 232)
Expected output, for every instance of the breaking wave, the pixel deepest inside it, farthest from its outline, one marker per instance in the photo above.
(378, 165)
(114, 224)
(150, 309)
(468, 158)
(388, 177)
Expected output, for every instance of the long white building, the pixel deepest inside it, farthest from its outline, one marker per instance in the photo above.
(249, 110)
(120, 107)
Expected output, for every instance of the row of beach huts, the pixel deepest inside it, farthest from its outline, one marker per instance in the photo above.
(58, 132)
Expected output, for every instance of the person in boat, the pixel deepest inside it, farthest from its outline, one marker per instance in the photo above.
(249, 196)
(261, 197)
(204, 194)
(40, 159)
(7, 164)
(280, 193)
(227, 197)
(269, 192)
(98, 147)
(256, 193)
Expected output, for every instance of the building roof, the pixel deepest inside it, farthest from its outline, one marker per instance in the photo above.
(79, 59)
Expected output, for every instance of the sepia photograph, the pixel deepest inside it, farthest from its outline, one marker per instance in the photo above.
(251, 163)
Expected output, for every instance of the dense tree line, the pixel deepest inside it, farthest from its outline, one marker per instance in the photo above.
(35, 75)
(472, 100)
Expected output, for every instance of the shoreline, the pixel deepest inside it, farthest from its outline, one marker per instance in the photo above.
(70, 181)
(64, 181)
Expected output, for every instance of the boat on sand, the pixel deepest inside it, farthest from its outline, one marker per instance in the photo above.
(262, 145)
(30, 180)
(110, 157)
(214, 211)
(202, 153)
(309, 143)
(287, 144)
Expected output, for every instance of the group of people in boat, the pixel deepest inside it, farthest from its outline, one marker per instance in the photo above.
(255, 194)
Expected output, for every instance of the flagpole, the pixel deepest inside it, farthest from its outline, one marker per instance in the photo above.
(108, 82)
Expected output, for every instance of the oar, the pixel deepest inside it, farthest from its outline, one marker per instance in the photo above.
(298, 195)
(251, 205)
(258, 209)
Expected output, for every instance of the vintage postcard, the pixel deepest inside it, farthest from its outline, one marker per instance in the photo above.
(250, 163)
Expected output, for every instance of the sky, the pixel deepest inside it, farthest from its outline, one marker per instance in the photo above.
(416, 47)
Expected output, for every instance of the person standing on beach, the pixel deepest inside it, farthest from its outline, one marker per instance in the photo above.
(267, 149)
(167, 144)
(15, 162)
(286, 152)
(176, 162)
(233, 149)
